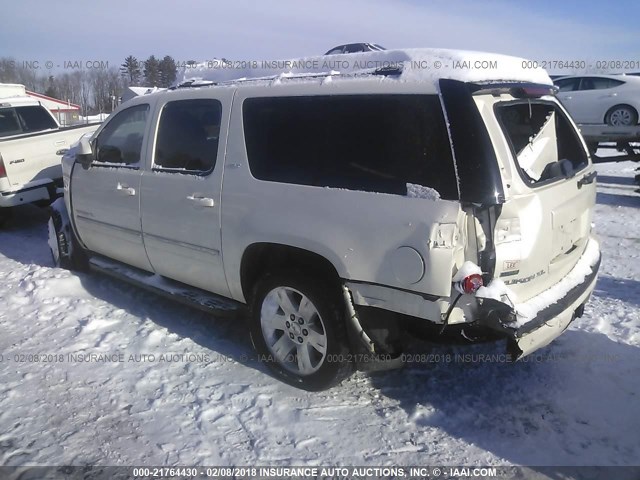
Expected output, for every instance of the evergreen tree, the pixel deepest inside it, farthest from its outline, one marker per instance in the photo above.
(152, 72)
(167, 71)
(131, 70)
(51, 90)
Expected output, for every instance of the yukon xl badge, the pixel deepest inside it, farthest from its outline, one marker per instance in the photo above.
(19, 160)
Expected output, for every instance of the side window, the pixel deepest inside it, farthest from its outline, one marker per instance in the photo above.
(568, 84)
(187, 138)
(35, 119)
(9, 124)
(587, 84)
(374, 143)
(598, 83)
(120, 142)
(602, 83)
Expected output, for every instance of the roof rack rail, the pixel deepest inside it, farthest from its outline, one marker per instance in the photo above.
(381, 71)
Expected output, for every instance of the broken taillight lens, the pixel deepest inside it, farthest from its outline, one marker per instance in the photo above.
(471, 283)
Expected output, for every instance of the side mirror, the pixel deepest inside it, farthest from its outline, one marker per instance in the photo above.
(84, 154)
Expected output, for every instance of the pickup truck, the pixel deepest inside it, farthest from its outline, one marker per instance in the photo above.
(31, 146)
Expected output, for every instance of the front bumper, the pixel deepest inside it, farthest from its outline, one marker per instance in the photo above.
(562, 304)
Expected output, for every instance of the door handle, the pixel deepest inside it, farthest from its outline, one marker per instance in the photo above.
(201, 200)
(588, 178)
(127, 190)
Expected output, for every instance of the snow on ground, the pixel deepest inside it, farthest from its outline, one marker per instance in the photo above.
(575, 403)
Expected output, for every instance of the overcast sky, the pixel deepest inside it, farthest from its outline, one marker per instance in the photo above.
(261, 30)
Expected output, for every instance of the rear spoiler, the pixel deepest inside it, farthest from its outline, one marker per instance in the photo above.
(515, 89)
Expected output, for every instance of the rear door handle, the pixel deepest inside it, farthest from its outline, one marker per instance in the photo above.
(588, 178)
(126, 189)
(201, 200)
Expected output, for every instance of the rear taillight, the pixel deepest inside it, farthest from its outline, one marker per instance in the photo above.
(3, 171)
(468, 279)
(470, 284)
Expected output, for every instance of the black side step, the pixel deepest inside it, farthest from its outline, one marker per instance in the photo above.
(185, 294)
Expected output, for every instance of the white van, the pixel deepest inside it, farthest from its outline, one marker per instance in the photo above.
(342, 208)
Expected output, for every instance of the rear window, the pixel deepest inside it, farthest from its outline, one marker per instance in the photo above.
(545, 145)
(375, 143)
(36, 119)
(9, 124)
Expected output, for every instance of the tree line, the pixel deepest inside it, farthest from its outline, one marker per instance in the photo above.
(95, 90)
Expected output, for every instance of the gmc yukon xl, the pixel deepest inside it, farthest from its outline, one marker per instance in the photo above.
(345, 208)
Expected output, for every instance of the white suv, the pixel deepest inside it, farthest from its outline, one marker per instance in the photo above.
(343, 208)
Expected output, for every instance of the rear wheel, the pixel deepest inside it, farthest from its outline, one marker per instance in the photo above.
(621, 116)
(298, 329)
(5, 215)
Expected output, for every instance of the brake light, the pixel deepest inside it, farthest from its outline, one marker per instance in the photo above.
(468, 279)
(470, 284)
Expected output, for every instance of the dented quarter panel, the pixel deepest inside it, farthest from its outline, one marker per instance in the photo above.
(360, 241)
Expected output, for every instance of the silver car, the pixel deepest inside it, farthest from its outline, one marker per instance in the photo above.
(598, 99)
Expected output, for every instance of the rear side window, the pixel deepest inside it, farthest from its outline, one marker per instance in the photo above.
(9, 124)
(120, 142)
(543, 142)
(35, 119)
(188, 135)
(598, 83)
(375, 143)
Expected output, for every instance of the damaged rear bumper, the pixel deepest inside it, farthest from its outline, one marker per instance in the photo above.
(550, 321)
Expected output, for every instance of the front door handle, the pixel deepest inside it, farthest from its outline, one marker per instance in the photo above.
(201, 200)
(588, 178)
(126, 189)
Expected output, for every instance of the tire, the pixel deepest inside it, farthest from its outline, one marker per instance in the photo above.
(5, 214)
(621, 115)
(310, 353)
(65, 250)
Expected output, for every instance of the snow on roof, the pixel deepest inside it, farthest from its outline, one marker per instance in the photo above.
(12, 90)
(420, 65)
(145, 90)
(53, 103)
(19, 100)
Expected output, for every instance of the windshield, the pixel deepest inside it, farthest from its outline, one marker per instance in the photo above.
(544, 143)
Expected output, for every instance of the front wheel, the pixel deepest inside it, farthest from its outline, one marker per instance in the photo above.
(298, 329)
(65, 250)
